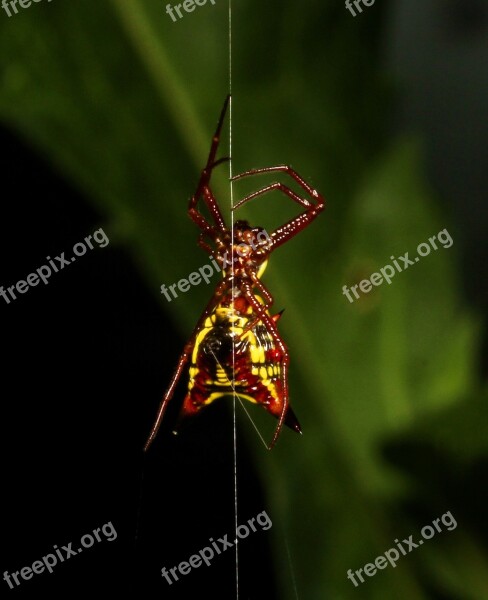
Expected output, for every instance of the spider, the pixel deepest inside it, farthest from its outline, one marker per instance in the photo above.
(235, 346)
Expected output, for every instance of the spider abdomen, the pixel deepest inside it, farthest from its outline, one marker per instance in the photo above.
(235, 353)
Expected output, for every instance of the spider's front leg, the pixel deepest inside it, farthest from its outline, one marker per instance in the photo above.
(262, 307)
(203, 188)
(281, 408)
(197, 217)
(312, 209)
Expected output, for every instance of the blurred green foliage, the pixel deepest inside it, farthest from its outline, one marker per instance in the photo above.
(124, 102)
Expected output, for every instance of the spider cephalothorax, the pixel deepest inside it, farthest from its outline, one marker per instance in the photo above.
(244, 249)
(235, 347)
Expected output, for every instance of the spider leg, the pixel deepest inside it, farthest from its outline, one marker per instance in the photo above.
(262, 288)
(185, 355)
(203, 189)
(206, 246)
(199, 219)
(169, 393)
(223, 261)
(270, 324)
(216, 138)
(262, 307)
(269, 188)
(291, 228)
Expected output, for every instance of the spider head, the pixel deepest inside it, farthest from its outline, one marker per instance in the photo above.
(251, 246)
(256, 239)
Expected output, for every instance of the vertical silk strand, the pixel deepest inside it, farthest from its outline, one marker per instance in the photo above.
(233, 295)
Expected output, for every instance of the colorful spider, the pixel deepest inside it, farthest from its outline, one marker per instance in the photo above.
(235, 346)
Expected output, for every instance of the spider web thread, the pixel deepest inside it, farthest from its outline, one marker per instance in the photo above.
(233, 296)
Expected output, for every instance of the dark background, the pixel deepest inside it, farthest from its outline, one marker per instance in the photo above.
(82, 357)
